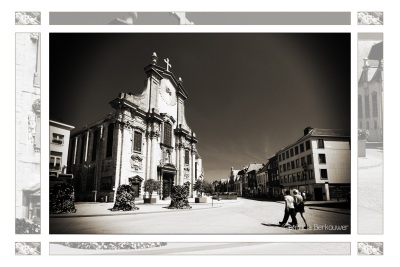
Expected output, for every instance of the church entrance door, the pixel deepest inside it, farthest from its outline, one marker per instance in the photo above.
(168, 181)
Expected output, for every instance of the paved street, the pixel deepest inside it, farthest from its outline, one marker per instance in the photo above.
(243, 216)
(370, 192)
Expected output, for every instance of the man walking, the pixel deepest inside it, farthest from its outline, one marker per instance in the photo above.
(289, 210)
(299, 205)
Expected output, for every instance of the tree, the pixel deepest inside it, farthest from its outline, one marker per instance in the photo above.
(199, 187)
(151, 185)
(208, 187)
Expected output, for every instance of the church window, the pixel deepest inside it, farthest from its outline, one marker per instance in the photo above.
(94, 147)
(296, 150)
(137, 141)
(186, 156)
(366, 100)
(71, 154)
(360, 113)
(110, 137)
(55, 160)
(83, 148)
(287, 154)
(167, 134)
(90, 179)
(374, 104)
(291, 152)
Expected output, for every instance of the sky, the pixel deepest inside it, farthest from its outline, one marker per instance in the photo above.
(250, 94)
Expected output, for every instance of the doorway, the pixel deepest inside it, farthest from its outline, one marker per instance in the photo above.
(168, 182)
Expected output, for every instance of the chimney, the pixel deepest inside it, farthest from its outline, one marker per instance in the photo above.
(307, 130)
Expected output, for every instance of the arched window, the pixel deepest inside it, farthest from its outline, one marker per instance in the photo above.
(137, 141)
(94, 147)
(374, 104)
(366, 100)
(360, 109)
(110, 137)
(167, 134)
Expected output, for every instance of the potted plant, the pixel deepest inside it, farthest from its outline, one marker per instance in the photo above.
(363, 135)
(199, 187)
(151, 187)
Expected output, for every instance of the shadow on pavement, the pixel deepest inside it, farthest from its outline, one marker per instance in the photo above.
(337, 205)
(271, 224)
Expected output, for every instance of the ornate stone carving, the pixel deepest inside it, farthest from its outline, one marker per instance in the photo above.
(136, 162)
(186, 172)
(154, 134)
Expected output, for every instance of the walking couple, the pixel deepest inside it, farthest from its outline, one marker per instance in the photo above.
(293, 204)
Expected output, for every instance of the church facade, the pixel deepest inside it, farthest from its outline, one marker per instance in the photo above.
(147, 137)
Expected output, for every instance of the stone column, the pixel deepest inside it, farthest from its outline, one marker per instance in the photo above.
(182, 165)
(148, 156)
(192, 171)
(178, 161)
(153, 159)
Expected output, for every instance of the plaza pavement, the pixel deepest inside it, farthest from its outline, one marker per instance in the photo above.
(370, 192)
(89, 209)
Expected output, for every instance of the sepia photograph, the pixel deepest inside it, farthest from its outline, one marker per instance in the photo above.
(200, 133)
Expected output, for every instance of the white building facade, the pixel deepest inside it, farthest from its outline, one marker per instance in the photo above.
(146, 138)
(318, 164)
(59, 142)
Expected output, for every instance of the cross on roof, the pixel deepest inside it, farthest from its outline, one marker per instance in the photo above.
(168, 65)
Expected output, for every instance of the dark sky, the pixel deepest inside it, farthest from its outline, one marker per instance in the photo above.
(250, 94)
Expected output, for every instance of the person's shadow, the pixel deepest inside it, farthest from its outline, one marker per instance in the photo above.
(273, 225)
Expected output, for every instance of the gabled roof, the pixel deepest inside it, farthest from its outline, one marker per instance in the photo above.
(264, 168)
(254, 167)
(163, 73)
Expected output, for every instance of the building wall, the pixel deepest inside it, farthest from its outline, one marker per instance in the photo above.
(57, 145)
(27, 115)
(338, 158)
(337, 165)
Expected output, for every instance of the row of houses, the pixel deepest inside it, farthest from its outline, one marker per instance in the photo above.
(318, 163)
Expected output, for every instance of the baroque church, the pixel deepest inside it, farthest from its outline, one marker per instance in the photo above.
(147, 137)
